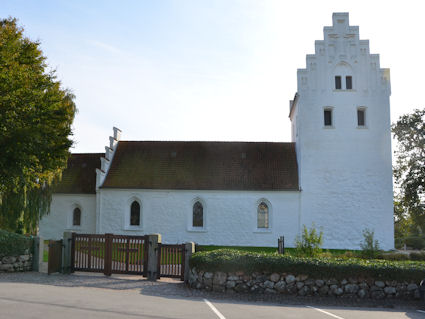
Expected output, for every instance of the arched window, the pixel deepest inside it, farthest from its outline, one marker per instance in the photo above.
(135, 214)
(263, 215)
(76, 217)
(198, 215)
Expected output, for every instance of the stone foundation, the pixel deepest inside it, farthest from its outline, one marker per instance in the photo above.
(302, 285)
(16, 263)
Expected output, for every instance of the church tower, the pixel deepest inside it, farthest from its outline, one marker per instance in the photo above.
(341, 125)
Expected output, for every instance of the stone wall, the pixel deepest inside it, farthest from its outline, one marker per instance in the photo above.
(302, 285)
(16, 263)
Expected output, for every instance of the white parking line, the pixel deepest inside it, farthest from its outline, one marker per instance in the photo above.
(218, 313)
(325, 312)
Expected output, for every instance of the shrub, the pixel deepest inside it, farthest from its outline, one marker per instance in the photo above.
(417, 256)
(395, 256)
(12, 244)
(415, 242)
(232, 260)
(369, 246)
(310, 243)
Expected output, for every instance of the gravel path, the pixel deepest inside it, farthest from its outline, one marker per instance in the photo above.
(172, 288)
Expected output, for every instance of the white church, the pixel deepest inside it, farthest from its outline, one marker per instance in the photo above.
(336, 172)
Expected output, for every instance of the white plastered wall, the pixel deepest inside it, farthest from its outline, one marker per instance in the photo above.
(230, 217)
(52, 226)
(345, 170)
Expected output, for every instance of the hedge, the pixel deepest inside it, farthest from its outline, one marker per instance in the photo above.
(226, 260)
(12, 244)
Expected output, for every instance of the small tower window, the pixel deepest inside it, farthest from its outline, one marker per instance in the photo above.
(349, 82)
(198, 215)
(135, 214)
(338, 82)
(262, 215)
(361, 117)
(327, 113)
(76, 217)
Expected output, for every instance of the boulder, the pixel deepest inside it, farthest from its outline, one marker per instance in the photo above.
(230, 284)
(362, 293)
(274, 277)
(8, 260)
(289, 279)
(390, 290)
(280, 286)
(241, 287)
(208, 275)
(219, 278)
(411, 287)
(268, 284)
(351, 288)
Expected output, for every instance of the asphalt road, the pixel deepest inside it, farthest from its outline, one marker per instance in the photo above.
(42, 300)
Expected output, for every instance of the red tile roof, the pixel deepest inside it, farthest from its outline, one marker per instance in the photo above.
(80, 175)
(203, 166)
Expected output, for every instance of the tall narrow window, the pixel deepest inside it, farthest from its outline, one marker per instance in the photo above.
(135, 214)
(198, 215)
(262, 215)
(348, 82)
(76, 217)
(327, 114)
(361, 117)
(338, 82)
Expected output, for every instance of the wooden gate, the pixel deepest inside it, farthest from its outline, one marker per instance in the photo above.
(171, 261)
(54, 263)
(110, 254)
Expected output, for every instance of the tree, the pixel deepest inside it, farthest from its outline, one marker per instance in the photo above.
(409, 171)
(36, 115)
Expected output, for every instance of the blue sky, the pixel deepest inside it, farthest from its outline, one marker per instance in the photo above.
(205, 70)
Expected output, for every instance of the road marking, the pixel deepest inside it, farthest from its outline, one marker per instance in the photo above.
(328, 313)
(420, 311)
(218, 313)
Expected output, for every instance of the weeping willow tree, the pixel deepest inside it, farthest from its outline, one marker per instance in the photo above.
(36, 115)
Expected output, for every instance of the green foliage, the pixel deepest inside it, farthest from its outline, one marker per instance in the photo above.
(232, 260)
(396, 256)
(241, 248)
(35, 124)
(409, 173)
(12, 244)
(310, 243)
(414, 242)
(417, 256)
(369, 246)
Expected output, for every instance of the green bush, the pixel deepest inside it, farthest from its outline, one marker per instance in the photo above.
(415, 242)
(417, 256)
(369, 246)
(12, 244)
(232, 260)
(395, 256)
(310, 243)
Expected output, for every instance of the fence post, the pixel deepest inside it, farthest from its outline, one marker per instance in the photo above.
(107, 270)
(67, 252)
(153, 252)
(38, 256)
(281, 245)
(189, 250)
